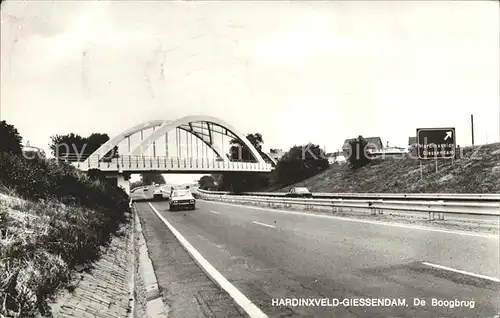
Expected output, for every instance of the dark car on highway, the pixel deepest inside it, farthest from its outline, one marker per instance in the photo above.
(299, 192)
(182, 199)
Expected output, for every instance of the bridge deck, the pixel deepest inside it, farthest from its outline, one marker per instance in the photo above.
(139, 164)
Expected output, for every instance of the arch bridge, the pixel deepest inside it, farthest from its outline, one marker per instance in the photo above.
(201, 145)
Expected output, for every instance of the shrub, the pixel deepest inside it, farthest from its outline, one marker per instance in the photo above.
(77, 236)
(27, 179)
(3, 217)
(75, 215)
(28, 279)
(36, 179)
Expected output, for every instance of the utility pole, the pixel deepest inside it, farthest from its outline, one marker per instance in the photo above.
(472, 127)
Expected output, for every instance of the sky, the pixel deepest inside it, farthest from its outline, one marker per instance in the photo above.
(296, 72)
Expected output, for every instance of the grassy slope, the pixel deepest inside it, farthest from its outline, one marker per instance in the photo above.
(478, 171)
(30, 273)
(53, 220)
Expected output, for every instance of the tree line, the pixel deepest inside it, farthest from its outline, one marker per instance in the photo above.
(299, 163)
(72, 147)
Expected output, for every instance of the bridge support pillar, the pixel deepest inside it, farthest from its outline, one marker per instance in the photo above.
(120, 181)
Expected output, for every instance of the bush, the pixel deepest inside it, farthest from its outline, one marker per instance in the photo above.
(27, 179)
(29, 272)
(75, 215)
(77, 236)
(3, 218)
(36, 179)
(26, 281)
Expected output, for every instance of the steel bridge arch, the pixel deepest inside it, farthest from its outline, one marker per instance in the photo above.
(165, 126)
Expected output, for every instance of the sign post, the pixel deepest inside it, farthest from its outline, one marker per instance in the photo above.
(436, 143)
(421, 172)
(472, 128)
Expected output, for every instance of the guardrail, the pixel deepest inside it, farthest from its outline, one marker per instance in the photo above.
(461, 197)
(436, 208)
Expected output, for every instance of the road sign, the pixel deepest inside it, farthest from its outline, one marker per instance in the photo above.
(436, 143)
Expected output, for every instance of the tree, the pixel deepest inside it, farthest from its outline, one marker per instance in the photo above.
(96, 140)
(239, 151)
(218, 180)
(244, 181)
(136, 184)
(150, 178)
(96, 174)
(299, 163)
(357, 152)
(207, 183)
(127, 175)
(10, 140)
(74, 147)
(67, 145)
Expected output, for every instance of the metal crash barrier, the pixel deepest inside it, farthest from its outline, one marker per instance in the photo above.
(436, 207)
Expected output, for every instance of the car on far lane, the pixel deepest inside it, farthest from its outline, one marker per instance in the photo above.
(181, 199)
(158, 193)
(299, 192)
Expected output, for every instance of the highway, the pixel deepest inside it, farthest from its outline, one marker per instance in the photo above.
(268, 255)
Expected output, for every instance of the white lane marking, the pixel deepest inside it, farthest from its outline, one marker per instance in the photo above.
(462, 272)
(415, 227)
(264, 224)
(250, 308)
(214, 212)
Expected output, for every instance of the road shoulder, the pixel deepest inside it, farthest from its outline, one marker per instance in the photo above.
(185, 288)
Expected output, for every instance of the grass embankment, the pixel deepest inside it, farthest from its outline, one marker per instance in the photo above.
(53, 219)
(476, 171)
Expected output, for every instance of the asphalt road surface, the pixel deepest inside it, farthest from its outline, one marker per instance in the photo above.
(272, 257)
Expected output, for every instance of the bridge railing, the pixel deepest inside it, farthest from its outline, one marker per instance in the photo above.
(132, 162)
